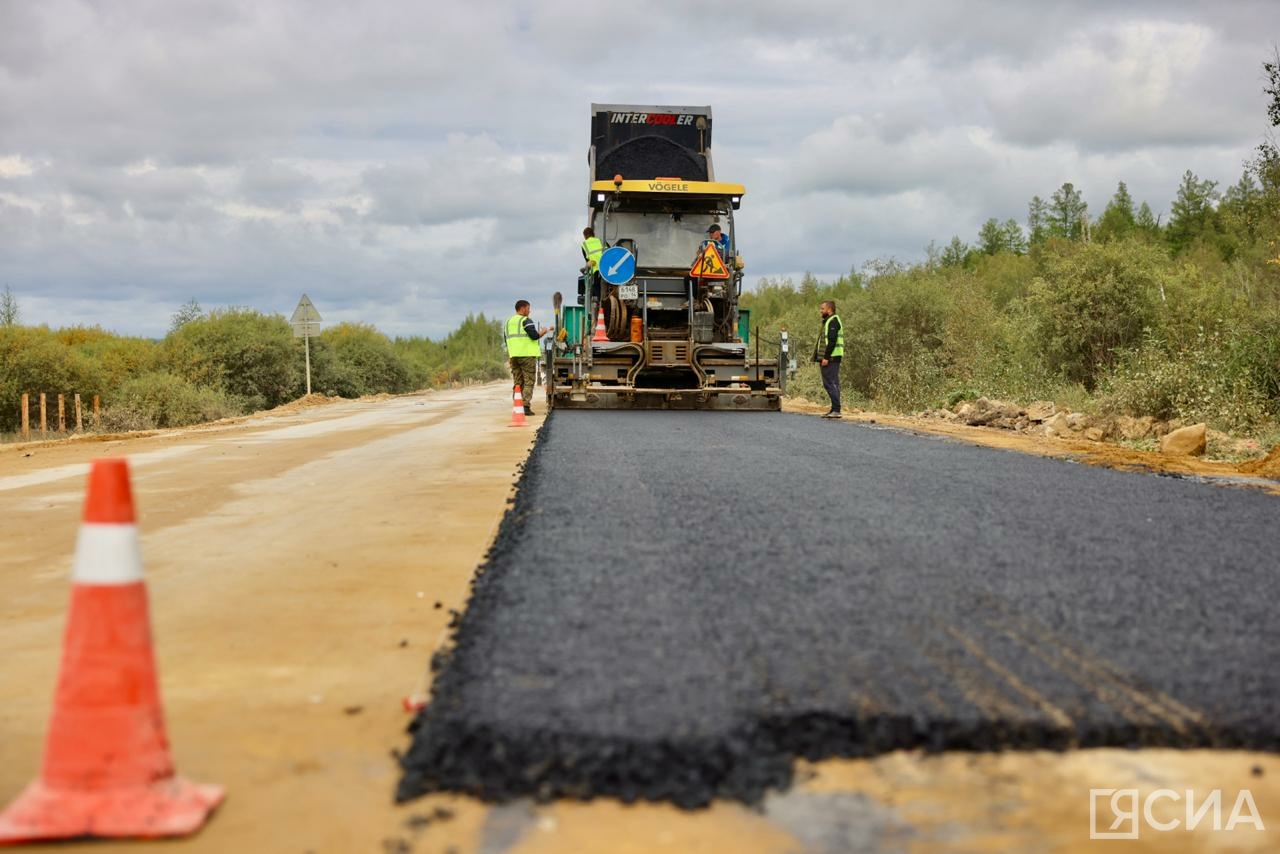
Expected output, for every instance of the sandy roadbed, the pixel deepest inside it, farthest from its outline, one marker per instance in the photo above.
(301, 568)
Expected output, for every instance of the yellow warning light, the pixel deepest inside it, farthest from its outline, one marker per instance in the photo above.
(617, 181)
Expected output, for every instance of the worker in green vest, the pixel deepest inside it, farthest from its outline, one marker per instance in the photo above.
(523, 351)
(592, 249)
(828, 350)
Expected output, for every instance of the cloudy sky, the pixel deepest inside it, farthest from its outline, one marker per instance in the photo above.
(406, 163)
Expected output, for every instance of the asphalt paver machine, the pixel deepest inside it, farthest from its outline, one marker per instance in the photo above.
(658, 325)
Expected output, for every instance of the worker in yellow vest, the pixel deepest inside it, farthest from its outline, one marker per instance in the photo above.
(523, 351)
(828, 350)
(592, 249)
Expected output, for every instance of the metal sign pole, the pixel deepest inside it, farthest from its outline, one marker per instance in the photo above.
(306, 322)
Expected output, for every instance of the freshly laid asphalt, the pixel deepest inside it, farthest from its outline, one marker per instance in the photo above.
(678, 604)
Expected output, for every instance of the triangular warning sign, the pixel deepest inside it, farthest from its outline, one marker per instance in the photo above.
(709, 265)
(305, 312)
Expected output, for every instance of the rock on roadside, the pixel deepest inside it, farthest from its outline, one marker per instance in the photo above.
(1185, 441)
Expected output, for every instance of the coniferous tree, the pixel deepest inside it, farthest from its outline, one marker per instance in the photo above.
(1014, 238)
(1037, 221)
(1066, 213)
(1146, 222)
(996, 237)
(1241, 212)
(1118, 218)
(9, 311)
(955, 253)
(991, 237)
(1193, 214)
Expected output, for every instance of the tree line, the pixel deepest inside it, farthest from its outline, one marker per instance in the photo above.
(1128, 312)
(225, 362)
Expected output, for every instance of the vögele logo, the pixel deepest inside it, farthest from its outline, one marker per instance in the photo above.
(1120, 813)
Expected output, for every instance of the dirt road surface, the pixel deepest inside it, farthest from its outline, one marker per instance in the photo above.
(295, 561)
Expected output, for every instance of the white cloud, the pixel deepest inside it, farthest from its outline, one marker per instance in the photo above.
(406, 163)
(15, 166)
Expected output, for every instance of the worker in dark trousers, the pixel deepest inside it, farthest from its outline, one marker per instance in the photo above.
(828, 350)
(523, 351)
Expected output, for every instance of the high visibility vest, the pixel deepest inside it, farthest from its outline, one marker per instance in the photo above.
(519, 344)
(838, 351)
(593, 248)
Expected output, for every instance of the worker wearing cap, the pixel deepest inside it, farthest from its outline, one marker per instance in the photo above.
(718, 237)
(523, 351)
(827, 352)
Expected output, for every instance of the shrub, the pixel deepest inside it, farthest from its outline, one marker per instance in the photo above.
(911, 380)
(242, 352)
(1093, 301)
(1211, 380)
(161, 399)
(32, 360)
(356, 359)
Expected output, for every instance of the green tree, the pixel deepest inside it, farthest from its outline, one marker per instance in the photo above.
(189, 311)
(10, 314)
(1241, 216)
(991, 237)
(1014, 239)
(1193, 214)
(996, 237)
(1118, 219)
(1146, 222)
(1272, 87)
(1037, 221)
(1066, 214)
(955, 253)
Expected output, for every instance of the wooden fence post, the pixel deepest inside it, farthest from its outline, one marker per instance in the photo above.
(26, 417)
(44, 415)
(79, 421)
(97, 415)
(62, 413)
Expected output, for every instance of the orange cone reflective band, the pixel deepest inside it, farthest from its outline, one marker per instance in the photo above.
(107, 769)
(517, 409)
(601, 334)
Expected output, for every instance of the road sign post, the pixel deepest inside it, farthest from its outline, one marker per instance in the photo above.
(306, 322)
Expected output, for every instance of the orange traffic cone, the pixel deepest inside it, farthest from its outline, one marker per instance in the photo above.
(107, 769)
(517, 409)
(600, 335)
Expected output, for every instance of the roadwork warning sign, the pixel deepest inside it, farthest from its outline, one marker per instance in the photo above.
(709, 265)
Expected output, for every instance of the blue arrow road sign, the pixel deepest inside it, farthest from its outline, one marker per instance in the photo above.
(617, 265)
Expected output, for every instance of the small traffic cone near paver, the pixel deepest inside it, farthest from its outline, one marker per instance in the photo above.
(601, 334)
(517, 409)
(107, 769)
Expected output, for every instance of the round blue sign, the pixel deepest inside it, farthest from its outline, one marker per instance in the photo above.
(617, 265)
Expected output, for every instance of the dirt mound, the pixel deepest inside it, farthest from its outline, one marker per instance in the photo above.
(306, 402)
(1268, 466)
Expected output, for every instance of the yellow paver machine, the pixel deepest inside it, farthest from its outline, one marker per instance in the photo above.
(656, 324)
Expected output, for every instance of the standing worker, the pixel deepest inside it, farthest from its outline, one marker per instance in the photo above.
(523, 351)
(827, 352)
(592, 249)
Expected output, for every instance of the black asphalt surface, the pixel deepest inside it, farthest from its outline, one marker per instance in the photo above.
(678, 604)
